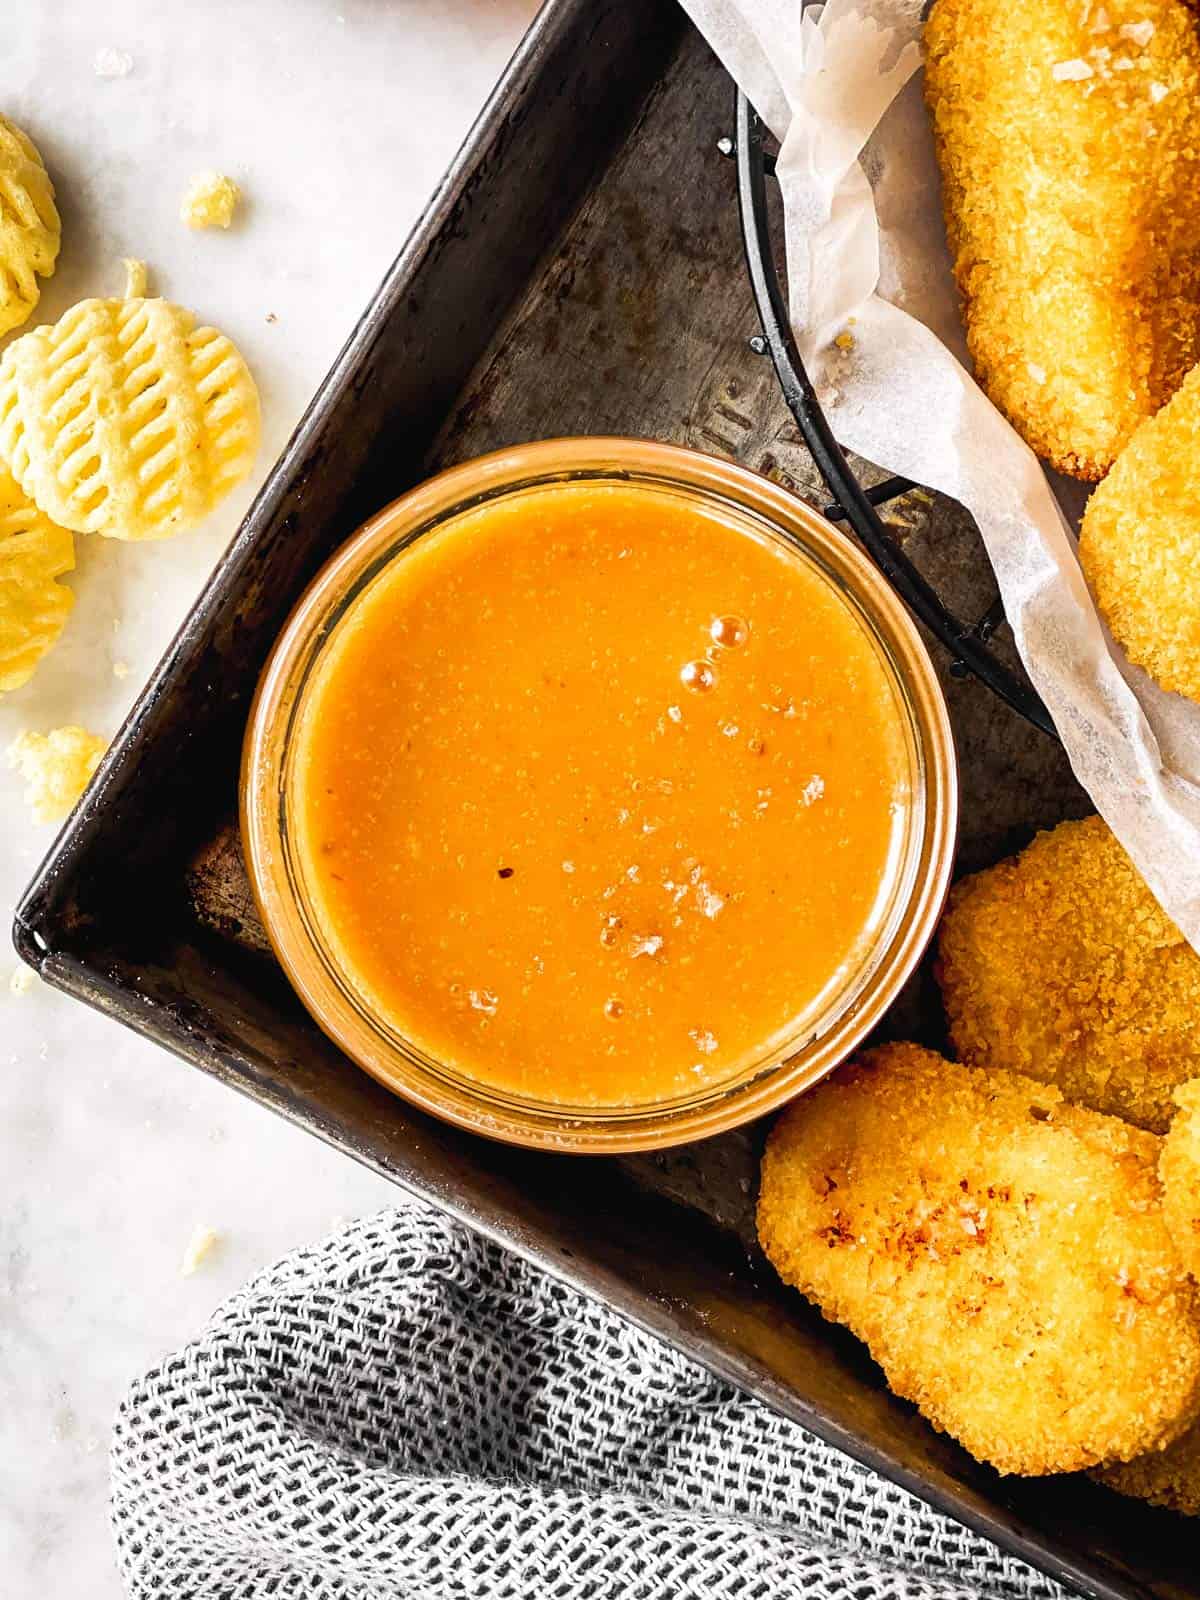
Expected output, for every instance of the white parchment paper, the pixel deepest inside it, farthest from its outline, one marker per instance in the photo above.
(866, 251)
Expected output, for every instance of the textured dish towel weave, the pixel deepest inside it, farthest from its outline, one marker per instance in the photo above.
(407, 1410)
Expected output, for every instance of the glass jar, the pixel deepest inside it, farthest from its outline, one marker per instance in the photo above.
(850, 1009)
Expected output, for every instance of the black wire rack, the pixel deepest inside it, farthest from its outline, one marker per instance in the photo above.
(968, 643)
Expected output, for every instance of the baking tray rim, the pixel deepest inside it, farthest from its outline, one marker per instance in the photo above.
(642, 1308)
(91, 985)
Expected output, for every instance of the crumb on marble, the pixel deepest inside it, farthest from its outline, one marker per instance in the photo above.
(210, 201)
(120, 669)
(22, 980)
(203, 1242)
(135, 278)
(56, 767)
(110, 63)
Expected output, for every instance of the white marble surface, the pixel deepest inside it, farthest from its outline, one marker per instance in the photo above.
(337, 117)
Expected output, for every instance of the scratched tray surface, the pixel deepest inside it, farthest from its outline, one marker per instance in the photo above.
(581, 272)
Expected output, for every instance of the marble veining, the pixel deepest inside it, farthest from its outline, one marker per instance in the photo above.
(337, 117)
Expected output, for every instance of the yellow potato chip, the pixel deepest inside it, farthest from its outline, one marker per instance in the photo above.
(56, 767)
(126, 419)
(30, 231)
(34, 606)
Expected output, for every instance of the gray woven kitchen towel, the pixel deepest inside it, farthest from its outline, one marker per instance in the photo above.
(407, 1410)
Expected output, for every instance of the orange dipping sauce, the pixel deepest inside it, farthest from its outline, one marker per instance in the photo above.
(599, 796)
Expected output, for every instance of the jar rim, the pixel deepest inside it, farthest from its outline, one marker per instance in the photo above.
(329, 993)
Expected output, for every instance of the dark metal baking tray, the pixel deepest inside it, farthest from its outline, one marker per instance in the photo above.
(579, 270)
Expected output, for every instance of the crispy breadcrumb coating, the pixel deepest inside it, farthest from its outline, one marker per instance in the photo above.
(1179, 1170)
(1060, 964)
(1002, 1253)
(1066, 134)
(1169, 1477)
(1140, 544)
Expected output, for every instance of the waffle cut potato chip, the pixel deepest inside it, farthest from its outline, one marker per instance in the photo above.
(30, 232)
(126, 419)
(34, 606)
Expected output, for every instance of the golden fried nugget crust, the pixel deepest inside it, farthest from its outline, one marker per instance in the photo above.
(1067, 137)
(1060, 964)
(1001, 1252)
(1169, 1477)
(1140, 544)
(1179, 1171)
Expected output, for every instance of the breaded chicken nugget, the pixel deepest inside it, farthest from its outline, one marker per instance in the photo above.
(1179, 1171)
(1002, 1253)
(1066, 135)
(1140, 544)
(1061, 964)
(1169, 1477)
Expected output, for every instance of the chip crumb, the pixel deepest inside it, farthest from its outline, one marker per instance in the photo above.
(56, 767)
(21, 981)
(200, 1247)
(1070, 71)
(271, 317)
(120, 669)
(210, 201)
(110, 63)
(844, 341)
(135, 278)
